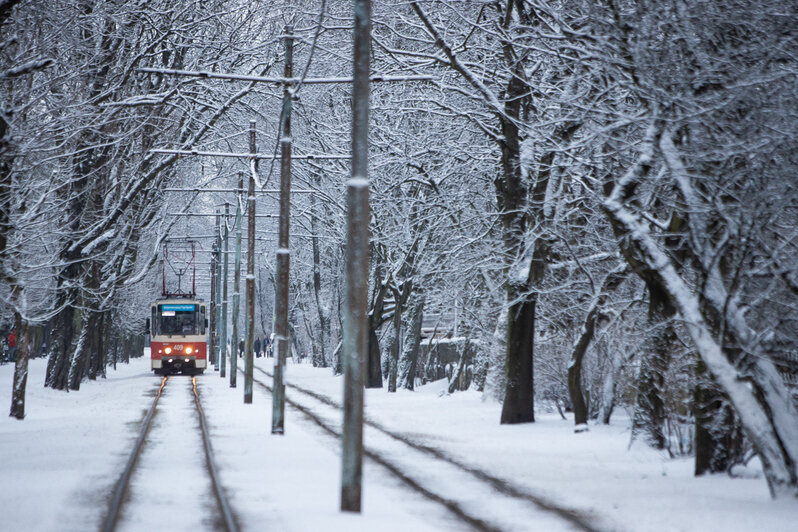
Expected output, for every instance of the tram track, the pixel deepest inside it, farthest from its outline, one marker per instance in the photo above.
(390, 449)
(218, 490)
(122, 488)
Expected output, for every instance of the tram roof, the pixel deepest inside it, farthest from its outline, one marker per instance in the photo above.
(177, 300)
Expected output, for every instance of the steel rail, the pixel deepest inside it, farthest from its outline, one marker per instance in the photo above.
(120, 489)
(221, 498)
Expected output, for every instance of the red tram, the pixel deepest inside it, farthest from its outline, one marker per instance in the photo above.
(178, 321)
(178, 340)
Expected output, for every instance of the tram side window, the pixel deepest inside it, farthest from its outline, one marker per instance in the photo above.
(178, 322)
(202, 320)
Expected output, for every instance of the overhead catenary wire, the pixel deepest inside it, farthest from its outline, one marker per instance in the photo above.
(234, 190)
(279, 80)
(204, 214)
(259, 156)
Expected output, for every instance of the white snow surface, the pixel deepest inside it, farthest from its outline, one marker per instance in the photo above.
(59, 465)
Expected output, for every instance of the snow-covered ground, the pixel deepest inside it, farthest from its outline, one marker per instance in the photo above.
(59, 465)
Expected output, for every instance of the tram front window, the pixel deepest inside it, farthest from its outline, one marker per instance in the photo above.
(178, 322)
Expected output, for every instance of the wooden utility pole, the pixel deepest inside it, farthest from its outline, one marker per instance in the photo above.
(355, 333)
(225, 260)
(248, 361)
(236, 282)
(281, 336)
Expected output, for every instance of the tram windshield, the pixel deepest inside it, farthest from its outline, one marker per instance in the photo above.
(178, 319)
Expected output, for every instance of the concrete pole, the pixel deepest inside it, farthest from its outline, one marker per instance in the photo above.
(212, 330)
(236, 283)
(225, 261)
(248, 361)
(281, 335)
(355, 332)
(220, 349)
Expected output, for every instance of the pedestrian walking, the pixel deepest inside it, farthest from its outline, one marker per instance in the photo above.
(241, 348)
(257, 347)
(12, 345)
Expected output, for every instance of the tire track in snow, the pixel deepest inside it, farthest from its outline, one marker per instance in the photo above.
(575, 520)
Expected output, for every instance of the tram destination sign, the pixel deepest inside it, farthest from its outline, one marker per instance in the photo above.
(179, 308)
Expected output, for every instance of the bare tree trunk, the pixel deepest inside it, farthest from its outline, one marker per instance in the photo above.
(575, 367)
(411, 347)
(20, 369)
(309, 332)
(77, 361)
(519, 392)
(610, 282)
(649, 416)
(458, 376)
(105, 344)
(714, 426)
(35, 349)
(374, 369)
(114, 343)
(397, 341)
(432, 353)
(608, 389)
(96, 344)
(62, 333)
(374, 374)
(338, 364)
(296, 349)
(126, 349)
(320, 359)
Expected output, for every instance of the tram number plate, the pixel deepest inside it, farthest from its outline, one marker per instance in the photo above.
(179, 347)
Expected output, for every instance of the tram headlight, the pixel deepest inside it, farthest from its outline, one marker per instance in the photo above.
(168, 350)
(186, 360)
(189, 350)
